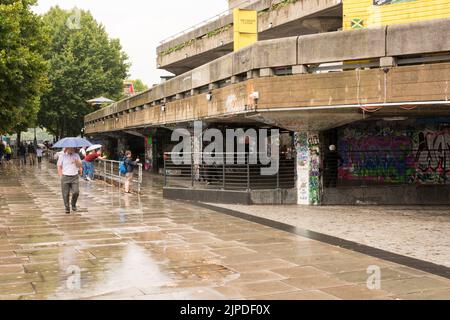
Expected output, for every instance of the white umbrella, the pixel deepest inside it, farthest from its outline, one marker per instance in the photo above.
(100, 100)
(94, 147)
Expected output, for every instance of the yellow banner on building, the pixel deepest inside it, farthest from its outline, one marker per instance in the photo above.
(245, 28)
(359, 14)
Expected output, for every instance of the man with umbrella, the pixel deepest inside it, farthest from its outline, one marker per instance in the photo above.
(69, 169)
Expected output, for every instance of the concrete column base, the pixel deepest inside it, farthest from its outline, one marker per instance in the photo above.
(386, 62)
(266, 72)
(299, 69)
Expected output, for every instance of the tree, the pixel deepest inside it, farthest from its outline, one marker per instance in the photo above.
(22, 65)
(84, 63)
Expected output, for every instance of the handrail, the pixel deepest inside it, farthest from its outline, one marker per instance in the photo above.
(225, 176)
(109, 170)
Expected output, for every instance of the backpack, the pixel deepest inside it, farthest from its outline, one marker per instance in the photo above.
(122, 167)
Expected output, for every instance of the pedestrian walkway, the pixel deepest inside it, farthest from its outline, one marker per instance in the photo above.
(422, 232)
(145, 247)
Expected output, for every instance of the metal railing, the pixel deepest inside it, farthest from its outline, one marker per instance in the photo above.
(390, 167)
(224, 176)
(108, 171)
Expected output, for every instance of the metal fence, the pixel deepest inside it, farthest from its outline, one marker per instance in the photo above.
(383, 167)
(108, 171)
(224, 176)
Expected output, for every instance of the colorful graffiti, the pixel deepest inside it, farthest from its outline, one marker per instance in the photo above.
(148, 153)
(301, 147)
(314, 170)
(385, 153)
(308, 168)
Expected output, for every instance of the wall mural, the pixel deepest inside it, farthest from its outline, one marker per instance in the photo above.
(383, 152)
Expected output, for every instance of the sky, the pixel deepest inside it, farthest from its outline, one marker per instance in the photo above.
(142, 24)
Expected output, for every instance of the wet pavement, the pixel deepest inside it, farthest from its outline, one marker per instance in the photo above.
(422, 232)
(145, 247)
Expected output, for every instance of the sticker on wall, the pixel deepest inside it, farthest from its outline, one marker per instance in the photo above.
(357, 23)
(385, 2)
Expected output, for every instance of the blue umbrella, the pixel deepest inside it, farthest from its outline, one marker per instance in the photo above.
(72, 143)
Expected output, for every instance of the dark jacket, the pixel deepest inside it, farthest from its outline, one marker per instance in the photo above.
(332, 161)
(31, 149)
(130, 165)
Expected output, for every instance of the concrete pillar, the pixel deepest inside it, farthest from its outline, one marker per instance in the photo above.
(122, 144)
(266, 72)
(234, 79)
(307, 146)
(149, 153)
(252, 74)
(299, 69)
(197, 147)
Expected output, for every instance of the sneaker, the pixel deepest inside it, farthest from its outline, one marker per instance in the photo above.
(74, 209)
(67, 210)
(88, 179)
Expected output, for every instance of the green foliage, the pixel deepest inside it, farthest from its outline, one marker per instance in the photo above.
(139, 86)
(277, 6)
(22, 65)
(192, 41)
(84, 63)
(273, 7)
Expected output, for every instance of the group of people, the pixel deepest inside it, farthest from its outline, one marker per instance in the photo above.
(31, 152)
(27, 152)
(71, 166)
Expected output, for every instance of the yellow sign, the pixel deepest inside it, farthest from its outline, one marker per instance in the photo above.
(372, 13)
(245, 28)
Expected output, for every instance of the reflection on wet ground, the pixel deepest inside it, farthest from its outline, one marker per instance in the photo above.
(145, 247)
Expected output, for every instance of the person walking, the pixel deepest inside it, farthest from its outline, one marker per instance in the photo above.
(22, 154)
(2, 150)
(8, 153)
(331, 163)
(39, 154)
(130, 165)
(31, 153)
(69, 168)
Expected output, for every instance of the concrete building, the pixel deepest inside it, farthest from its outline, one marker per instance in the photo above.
(377, 92)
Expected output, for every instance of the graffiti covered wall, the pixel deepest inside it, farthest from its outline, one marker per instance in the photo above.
(396, 152)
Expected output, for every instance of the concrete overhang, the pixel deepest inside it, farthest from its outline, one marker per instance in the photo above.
(293, 19)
